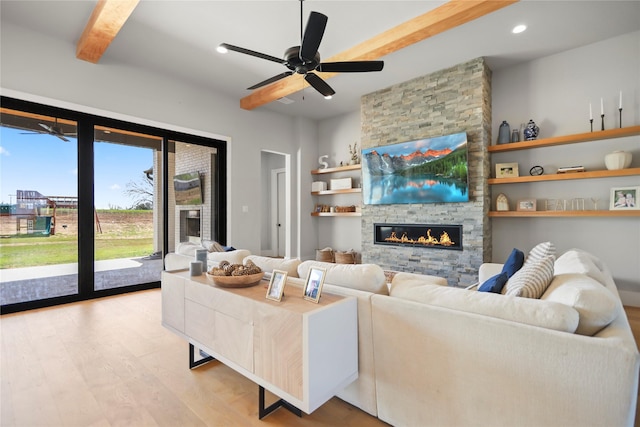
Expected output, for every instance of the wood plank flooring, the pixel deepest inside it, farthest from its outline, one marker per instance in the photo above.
(109, 362)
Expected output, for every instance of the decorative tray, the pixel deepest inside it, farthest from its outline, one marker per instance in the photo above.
(236, 281)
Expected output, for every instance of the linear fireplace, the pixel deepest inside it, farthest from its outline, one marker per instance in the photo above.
(190, 225)
(435, 236)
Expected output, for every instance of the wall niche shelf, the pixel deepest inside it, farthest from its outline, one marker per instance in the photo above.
(338, 169)
(332, 192)
(566, 176)
(567, 139)
(336, 214)
(562, 140)
(563, 214)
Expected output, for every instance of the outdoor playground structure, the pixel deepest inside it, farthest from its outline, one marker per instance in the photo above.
(35, 214)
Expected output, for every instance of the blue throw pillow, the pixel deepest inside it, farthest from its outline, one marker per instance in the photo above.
(494, 284)
(513, 263)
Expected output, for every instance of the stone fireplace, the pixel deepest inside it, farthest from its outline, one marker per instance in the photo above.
(453, 100)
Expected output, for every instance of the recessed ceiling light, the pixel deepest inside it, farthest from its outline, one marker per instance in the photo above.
(222, 49)
(518, 29)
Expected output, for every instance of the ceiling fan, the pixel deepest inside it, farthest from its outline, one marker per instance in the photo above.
(305, 59)
(54, 130)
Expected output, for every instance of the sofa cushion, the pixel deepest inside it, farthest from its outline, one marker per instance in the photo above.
(513, 263)
(545, 314)
(494, 284)
(268, 264)
(580, 262)
(540, 251)
(596, 305)
(187, 248)
(402, 282)
(532, 279)
(366, 277)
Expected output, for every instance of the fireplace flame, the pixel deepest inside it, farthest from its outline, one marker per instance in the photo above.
(427, 240)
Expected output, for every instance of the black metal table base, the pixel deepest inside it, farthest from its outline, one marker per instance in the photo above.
(263, 412)
(195, 364)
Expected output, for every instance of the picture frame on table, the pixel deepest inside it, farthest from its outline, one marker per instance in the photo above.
(507, 170)
(624, 198)
(276, 285)
(526, 205)
(313, 284)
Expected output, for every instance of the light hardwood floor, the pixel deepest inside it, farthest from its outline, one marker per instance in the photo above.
(109, 362)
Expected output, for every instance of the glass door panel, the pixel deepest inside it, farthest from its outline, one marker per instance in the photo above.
(128, 220)
(38, 207)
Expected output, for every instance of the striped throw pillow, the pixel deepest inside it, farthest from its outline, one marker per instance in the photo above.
(532, 279)
(540, 251)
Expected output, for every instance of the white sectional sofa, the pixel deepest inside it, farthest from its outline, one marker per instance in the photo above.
(186, 252)
(433, 355)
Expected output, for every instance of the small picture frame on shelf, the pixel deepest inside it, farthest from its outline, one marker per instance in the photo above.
(502, 203)
(313, 284)
(276, 285)
(624, 198)
(526, 205)
(507, 170)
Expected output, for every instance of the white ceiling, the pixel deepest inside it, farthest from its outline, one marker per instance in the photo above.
(178, 38)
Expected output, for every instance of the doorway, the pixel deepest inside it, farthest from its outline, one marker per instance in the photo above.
(276, 205)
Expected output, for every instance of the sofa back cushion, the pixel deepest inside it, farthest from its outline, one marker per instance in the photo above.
(545, 314)
(365, 277)
(402, 282)
(596, 305)
(268, 264)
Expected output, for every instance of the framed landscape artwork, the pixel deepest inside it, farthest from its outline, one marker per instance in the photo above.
(430, 170)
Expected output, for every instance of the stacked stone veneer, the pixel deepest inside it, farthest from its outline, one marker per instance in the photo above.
(194, 158)
(454, 100)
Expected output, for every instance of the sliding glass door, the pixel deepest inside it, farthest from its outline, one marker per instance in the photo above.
(38, 210)
(127, 249)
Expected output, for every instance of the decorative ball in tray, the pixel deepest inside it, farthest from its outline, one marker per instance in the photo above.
(229, 275)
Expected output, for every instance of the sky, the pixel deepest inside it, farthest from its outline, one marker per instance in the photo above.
(46, 164)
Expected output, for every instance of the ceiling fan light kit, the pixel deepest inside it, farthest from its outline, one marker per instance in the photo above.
(305, 59)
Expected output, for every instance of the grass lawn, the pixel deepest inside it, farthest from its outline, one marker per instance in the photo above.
(18, 252)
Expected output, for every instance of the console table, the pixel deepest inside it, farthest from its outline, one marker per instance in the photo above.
(302, 352)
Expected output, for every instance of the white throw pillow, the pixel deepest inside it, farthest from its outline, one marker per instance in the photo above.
(596, 305)
(268, 264)
(212, 246)
(580, 262)
(532, 279)
(187, 248)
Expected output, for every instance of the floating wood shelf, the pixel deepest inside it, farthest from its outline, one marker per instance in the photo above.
(337, 169)
(566, 176)
(336, 213)
(328, 192)
(567, 139)
(564, 214)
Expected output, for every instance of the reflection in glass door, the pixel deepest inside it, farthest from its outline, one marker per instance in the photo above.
(127, 210)
(38, 207)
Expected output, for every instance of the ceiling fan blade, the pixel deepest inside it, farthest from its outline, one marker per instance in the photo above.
(62, 138)
(319, 84)
(350, 66)
(313, 35)
(252, 53)
(46, 127)
(271, 80)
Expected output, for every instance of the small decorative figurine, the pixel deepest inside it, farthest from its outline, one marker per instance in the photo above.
(355, 157)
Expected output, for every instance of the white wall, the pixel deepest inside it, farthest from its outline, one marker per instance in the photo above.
(555, 92)
(39, 68)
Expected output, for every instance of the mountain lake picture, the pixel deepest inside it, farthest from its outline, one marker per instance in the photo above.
(431, 170)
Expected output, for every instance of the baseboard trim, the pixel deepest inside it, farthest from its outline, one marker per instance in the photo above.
(630, 298)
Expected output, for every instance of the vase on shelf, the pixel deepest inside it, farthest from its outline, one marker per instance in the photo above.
(617, 160)
(531, 131)
(504, 133)
(515, 135)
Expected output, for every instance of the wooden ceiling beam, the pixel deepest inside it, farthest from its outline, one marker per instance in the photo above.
(438, 20)
(105, 22)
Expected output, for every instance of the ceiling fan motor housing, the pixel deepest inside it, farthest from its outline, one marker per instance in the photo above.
(294, 62)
